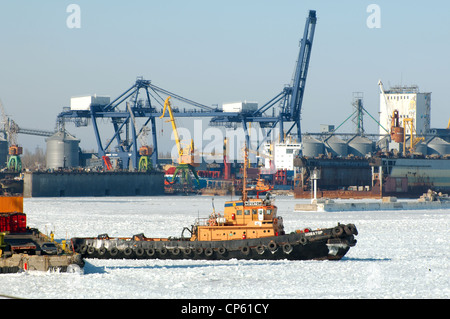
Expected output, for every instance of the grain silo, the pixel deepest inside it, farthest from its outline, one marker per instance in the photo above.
(420, 148)
(3, 152)
(336, 146)
(438, 146)
(62, 150)
(312, 147)
(360, 146)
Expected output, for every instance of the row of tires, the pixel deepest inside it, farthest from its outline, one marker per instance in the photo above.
(90, 251)
(348, 229)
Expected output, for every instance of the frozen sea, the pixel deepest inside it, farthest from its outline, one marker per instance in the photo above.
(399, 254)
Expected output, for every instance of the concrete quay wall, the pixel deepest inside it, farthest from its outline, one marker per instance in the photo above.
(76, 184)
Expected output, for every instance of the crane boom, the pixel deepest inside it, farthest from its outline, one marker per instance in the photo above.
(174, 125)
(388, 109)
(301, 70)
(185, 156)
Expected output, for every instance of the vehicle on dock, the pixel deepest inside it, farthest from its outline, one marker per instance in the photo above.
(249, 228)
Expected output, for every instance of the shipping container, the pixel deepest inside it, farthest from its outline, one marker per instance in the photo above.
(4, 223)
(18, 222)
(9, 204)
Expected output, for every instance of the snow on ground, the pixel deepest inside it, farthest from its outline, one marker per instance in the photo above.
(399, 254)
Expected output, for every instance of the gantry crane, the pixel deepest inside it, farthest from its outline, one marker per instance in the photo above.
(11, 129)
(290, 100)
(186, 161)
(122, 119)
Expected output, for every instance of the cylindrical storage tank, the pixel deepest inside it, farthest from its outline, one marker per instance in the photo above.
(438, 146)
(421, 148)
(3, 152)
(360, 146)
(312, 147)
(62, 151)
(336, 146)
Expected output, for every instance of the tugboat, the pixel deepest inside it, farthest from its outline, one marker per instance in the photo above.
(23, 248)
(249, 228)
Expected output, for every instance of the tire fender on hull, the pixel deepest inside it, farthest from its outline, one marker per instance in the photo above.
(245, 250)
(222, 251)
(287, 248)
(209, 252)
(272, 246)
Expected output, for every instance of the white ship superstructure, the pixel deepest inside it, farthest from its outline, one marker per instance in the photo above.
(281, 154)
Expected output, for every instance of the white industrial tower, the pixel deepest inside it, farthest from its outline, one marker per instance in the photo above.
(409, 103)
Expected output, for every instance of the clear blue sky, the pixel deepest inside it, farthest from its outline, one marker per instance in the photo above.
(219, 51)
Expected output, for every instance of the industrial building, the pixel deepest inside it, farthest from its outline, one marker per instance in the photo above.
(410, 103)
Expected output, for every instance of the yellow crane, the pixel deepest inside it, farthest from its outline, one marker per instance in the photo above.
(186, 161)
(413, 140)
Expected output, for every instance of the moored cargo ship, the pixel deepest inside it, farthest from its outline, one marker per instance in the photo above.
(373, 177)
(413, 176)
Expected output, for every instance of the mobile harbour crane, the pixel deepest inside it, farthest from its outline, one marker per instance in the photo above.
(186, 163)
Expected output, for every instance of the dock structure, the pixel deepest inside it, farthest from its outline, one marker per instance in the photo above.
(60, 184)
(429, 200)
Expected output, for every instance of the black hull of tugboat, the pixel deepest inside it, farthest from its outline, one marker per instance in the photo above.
(322, 244)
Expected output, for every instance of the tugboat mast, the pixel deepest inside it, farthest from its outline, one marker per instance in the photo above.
(244, 177)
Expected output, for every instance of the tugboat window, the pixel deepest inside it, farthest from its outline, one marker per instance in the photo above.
(247, 212)
(260, 214)
(239, 212)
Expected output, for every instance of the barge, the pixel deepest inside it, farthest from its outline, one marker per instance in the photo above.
(26, 249)
(429, 200)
